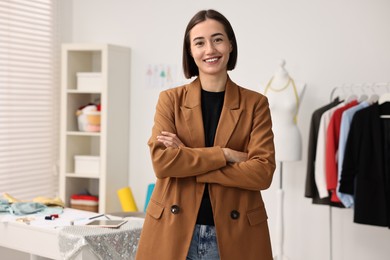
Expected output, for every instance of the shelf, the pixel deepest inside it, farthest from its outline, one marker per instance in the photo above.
(111, 91)
(78, 133)
(76, 91)
(81, 175)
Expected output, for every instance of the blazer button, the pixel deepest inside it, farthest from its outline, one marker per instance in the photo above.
(175, 209)
(234, 214)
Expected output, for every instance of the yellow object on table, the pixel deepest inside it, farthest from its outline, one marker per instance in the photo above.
(127, 200)
(44, 200)
(10, 198)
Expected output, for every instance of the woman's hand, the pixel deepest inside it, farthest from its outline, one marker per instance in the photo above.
(234, 156)
(170, 140)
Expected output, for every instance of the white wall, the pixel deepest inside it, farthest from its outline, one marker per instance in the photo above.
(325, 43)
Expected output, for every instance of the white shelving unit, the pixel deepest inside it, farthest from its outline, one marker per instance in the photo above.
(111, 143)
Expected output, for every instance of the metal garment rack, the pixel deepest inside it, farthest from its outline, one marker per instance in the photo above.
(348, 92)
(364, 91)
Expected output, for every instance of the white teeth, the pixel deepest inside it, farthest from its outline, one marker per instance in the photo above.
(212, 60)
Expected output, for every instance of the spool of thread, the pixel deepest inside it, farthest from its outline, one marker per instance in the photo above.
(148, 195)
(127, 200)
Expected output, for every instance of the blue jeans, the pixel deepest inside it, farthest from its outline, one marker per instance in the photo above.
(204, 244)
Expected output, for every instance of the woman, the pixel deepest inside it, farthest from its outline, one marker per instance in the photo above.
(212, 151)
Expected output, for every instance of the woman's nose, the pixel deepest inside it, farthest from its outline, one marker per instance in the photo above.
(210, 48)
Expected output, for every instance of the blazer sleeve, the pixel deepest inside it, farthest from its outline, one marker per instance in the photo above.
(256, 173)
(178, 162)
(351, 157)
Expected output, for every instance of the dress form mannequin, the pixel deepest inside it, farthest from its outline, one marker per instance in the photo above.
(284, 96)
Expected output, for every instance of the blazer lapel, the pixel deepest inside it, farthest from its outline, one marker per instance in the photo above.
(230, 114)
(192, 111)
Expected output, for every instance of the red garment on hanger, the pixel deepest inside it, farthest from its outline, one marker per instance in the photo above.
(331, 149)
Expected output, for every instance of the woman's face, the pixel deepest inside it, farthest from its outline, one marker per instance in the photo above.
(210, 47)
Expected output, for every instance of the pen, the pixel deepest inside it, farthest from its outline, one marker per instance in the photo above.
(97, 216)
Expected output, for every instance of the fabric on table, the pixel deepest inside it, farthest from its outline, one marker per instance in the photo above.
(26, 208)
(23, 208)
(4, 205)
(105, 243)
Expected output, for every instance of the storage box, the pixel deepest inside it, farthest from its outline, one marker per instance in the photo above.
(86, 164)
(89, 81)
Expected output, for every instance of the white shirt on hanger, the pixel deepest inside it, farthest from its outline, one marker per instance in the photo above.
(320, 162)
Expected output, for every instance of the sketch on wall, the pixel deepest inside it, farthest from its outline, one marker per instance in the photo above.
(163, 76)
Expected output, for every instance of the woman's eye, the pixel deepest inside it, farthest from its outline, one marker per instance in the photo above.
(218, 40)
(198, 44)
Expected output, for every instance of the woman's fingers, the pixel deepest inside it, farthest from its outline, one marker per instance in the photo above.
(234, 156)
(169, 139)
(165, 133)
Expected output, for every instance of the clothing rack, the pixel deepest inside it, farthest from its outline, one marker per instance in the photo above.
(371, 91)
(363, 91)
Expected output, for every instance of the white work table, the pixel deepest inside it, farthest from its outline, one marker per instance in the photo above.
(42, 238)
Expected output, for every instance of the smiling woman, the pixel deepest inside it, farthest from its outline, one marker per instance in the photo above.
(212, 152)
(210, 49)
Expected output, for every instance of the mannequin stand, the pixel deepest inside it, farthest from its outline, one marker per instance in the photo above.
(279, 219)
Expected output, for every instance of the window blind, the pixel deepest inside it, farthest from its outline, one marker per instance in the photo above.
(29, 102)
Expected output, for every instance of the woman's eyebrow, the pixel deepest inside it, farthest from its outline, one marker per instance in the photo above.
(217, 34)
(213, 35)
(198, 38)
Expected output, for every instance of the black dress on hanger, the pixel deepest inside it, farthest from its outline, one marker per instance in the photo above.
(365, 169)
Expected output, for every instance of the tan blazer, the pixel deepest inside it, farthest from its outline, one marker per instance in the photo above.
(239, 213)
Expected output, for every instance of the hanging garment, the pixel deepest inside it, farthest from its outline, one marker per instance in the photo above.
(310, 185)
(332, 144)
(320, 167)
(363, 174)
(346, 120)
(386, 149)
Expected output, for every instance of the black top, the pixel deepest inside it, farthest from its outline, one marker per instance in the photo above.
(212, 103)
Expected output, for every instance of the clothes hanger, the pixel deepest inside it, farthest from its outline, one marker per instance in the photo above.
(385, 98)
(332, 94)
(376, 90)
(341, 95)
(374, 96)
(352, 96)
(361, 93)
